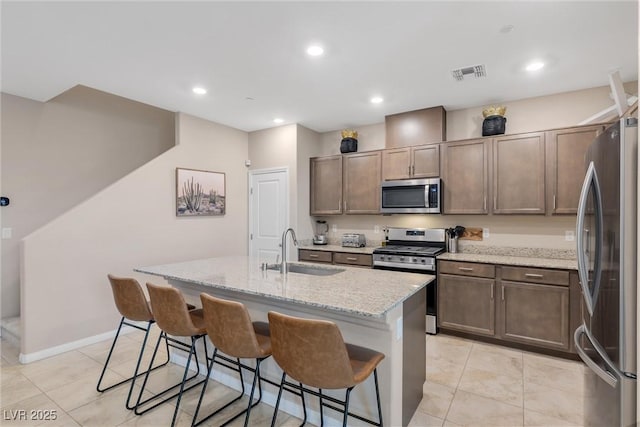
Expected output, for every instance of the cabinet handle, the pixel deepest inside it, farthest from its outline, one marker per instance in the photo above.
(537, 276)
(495, 203)
(313, 256)
(492, 285)
(409, 170)
(345, 205)
(485, 203)
(502, 292)
(413, 170)
(465, 268)
(350, 258)
(554, 202)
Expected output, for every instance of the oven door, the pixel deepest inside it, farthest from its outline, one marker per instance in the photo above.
(432, 297)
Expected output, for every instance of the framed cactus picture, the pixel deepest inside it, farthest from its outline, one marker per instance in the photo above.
(200, 193)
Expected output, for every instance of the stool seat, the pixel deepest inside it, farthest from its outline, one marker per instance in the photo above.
(363, 361)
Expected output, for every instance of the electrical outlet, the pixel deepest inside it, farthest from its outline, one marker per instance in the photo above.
(7, 232)
(334, 228)
(569, 235)
(485, 233)
(376, 229)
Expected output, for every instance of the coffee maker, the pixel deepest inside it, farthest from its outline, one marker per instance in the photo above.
(320, 238)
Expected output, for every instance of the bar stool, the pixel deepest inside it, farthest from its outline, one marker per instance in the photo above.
(314, 353)
(173, 318)
(231, 331)
(133, 306)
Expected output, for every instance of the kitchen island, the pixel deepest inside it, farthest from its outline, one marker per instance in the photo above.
(382, 310)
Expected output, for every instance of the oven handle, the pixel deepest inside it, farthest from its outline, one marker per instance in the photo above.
(408, 267)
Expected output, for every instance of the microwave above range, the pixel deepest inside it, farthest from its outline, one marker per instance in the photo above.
(421, 196)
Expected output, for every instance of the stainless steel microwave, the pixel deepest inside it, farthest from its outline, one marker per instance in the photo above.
(411, 196)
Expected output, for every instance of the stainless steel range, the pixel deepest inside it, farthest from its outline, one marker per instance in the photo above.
(414, 250)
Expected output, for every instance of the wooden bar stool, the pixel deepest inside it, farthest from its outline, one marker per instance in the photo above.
(133, 306)
(314, 353)
(174, 318)
(231, 331)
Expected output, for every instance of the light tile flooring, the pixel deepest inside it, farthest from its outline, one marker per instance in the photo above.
(468, 383)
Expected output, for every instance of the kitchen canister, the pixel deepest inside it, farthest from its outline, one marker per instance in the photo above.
(452, 243)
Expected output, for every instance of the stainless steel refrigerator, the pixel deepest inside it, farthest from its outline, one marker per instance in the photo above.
(606, 235)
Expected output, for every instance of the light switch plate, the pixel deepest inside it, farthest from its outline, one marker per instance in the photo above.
(334, 228)
(485, 233)
(376, 229)
(6, 232)
(569, 235)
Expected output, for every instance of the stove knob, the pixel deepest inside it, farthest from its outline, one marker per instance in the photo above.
(424, 260)
(401, 258)
(415, 260)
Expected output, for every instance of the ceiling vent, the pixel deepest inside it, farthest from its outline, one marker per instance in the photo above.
(475, 71)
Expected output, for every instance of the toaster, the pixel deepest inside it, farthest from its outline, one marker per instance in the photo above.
(353, 240)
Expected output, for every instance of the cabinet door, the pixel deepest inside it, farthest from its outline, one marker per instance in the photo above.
(535, 314)
(566, 166)
(466, 304)
(425, 161)
(362, 176)
(415, 127)
(326, 185)
(518, 174)
(396, 163)
(465, 177)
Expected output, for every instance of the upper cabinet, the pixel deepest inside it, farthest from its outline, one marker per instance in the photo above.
(519, 174)
(411, 162)
(465, 176)
(416, 127)
(362, 177)
(326, 185)
(566, 167)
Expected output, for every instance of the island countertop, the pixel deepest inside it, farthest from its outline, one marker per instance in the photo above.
(355, 291)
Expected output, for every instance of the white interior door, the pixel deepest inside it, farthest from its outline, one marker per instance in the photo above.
(268, 212)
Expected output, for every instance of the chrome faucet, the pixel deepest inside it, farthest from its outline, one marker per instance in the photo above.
(283, 245)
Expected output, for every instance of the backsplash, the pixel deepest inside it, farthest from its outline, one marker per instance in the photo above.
(470, 248)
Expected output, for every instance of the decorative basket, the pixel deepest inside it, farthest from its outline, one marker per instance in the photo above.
(349, 142)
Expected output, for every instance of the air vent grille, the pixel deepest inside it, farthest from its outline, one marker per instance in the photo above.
(475, 71)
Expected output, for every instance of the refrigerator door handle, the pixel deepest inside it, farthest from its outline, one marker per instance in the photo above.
(604, 375)
(590, 180)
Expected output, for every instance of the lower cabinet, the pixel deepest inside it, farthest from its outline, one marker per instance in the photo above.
(466, 304)
(524, 305)
(329, 257)
(315, 256)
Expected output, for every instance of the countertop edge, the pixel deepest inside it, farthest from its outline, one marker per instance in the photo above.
(563, 264)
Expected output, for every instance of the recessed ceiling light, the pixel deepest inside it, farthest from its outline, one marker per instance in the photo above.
(315, 50)
(199, 90)
(377, 100)
(278, 120)
(534, 66)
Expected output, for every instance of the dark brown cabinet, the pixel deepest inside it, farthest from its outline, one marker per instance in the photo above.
(465, 176)
(411, 162)
(339, 258)
(325, 195)
(534, 306)
(466, 300)
(362, 177)
(315, 256)
(566, 167)
(416, 127)
(519, 174)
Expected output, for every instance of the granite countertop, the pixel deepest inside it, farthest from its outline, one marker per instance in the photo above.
(524, 261)
(355, 291)
(337, 248)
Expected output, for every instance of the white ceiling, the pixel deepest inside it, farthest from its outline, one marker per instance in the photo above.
(155, 52)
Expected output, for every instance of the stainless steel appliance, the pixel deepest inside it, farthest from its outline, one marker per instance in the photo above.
(411, 196)
(414, 250)
(606, 235)
(320, 238)
(354, 240)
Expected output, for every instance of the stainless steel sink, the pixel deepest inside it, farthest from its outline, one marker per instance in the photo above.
(308, 269)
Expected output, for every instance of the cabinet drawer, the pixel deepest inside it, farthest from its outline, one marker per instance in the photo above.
(352, 259)
(315, 256)
(535, 275)
(467, 269)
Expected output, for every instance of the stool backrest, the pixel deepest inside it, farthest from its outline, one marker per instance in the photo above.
(230, 328)
(312, 352)
(130, 299)
(170, 311)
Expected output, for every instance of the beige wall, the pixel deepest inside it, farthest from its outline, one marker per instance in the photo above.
(131, 223)
(58, 153)
(564, 109)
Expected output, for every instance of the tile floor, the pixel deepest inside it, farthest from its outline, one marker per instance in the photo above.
(468, 384)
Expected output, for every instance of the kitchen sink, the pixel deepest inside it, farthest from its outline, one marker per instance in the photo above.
(308, 269)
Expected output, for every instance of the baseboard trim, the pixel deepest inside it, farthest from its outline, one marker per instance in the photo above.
(74, 345)
(287, 405)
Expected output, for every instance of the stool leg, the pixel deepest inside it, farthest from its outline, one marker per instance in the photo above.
(204, 387)
(253, 388)
(304, 406)
(321, 412)
(275, 410)
(375, 378)
(346, 407)
(184, 379)
(146, 377)
(135, 373)
(104, 369)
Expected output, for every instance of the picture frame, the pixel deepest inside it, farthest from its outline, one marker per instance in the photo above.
(200, 193)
